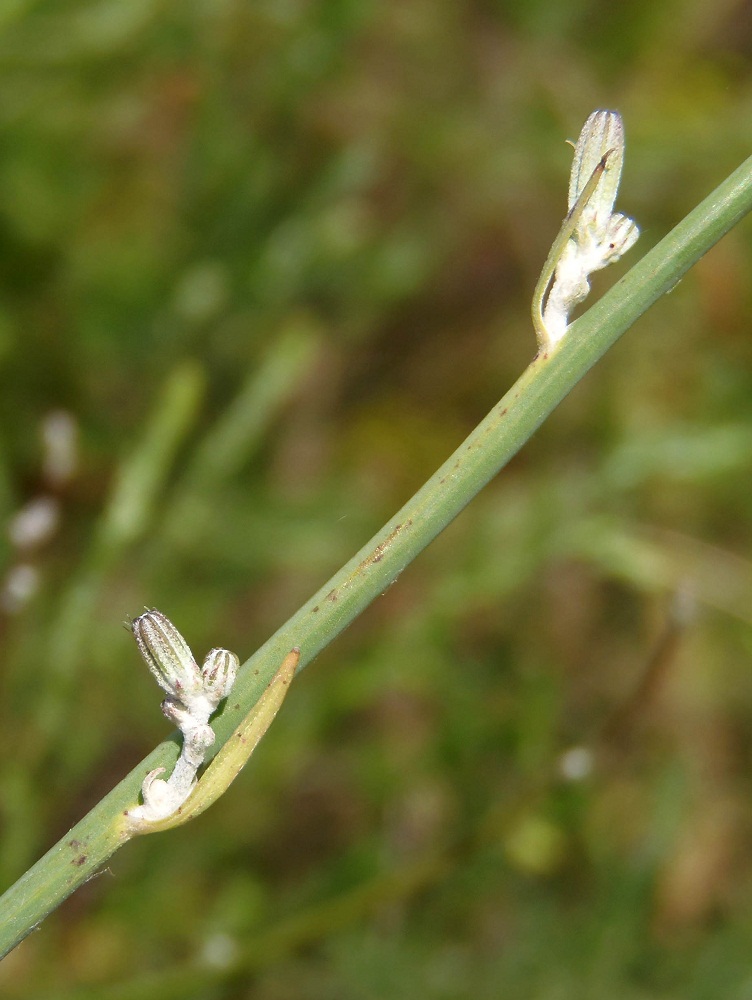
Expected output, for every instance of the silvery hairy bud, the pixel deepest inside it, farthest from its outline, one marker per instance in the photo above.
(218, 673)
(167, 655)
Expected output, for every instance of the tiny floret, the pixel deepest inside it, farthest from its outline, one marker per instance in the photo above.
(592, 235)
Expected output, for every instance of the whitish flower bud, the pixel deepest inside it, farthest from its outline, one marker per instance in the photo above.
(592, 235)
(219, 672)
(620, 234)
(601, 135)
(176, 713)
(161, 798)
(167, 655)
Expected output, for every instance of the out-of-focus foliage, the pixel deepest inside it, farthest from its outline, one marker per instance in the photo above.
(525, 772)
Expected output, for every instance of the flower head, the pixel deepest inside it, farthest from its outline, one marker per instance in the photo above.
(593, 235)
(193, 694)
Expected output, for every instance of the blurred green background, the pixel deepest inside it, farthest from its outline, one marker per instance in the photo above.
(262, 266)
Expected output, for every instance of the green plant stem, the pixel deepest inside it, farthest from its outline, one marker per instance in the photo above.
(548, 379)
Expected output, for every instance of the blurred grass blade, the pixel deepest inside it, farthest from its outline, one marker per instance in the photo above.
(138, 484)
(237, 434)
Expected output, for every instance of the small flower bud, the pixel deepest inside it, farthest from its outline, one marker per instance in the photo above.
(592, 235)
(167, 655)
(602, 135)
(219, 672)
(176, 713)
(161, 798)
(620, 234)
